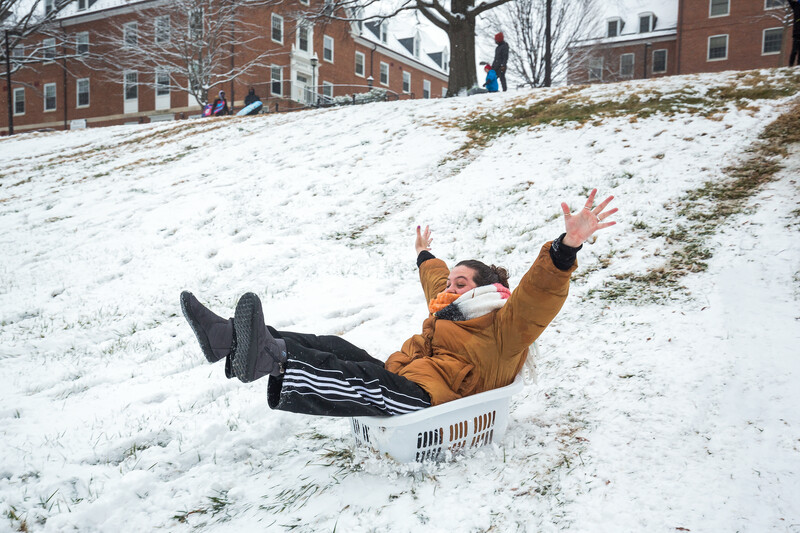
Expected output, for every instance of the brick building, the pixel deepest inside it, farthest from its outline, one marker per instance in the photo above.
(310, 63)
(652, 38)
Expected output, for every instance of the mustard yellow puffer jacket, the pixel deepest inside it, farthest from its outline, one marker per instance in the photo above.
(451, 360)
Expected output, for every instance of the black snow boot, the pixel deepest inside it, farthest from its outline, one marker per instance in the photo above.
(258, 353)
(214, 333)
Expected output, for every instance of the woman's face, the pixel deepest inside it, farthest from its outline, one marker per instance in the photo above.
(460, 280)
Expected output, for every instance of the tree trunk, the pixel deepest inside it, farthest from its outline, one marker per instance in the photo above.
(462, 55)
(548, 44)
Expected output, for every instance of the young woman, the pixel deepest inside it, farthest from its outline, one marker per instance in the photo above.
(476, 337)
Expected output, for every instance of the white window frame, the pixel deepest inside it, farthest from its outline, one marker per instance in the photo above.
(363, 64)
(82, 41)
(595, 64)
(327, 89)
(309, 37)
(778, 4)
(273, 80)
(383, 67)
(666, 58)
(727, 46)
(406, 82)
(279, 19)
(196, 29)
(45, 89)
(130, 35)
(444, 92)
(328, 45)
(131, 105)
(162, 32)
(78, 93)
(711, 5)
(163, 97)
(618, 22)
(49, 49)
(49, 5)
(764, 41)
(650, 24)
(83, 4)
(426, 88)
(19, 91)
(18, 52)
(622, 74)
(384, 31)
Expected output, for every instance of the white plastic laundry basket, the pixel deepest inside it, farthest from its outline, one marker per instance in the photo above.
(426, 435)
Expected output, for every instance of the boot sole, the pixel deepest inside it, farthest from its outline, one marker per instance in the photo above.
(205, 345)
(244, 359)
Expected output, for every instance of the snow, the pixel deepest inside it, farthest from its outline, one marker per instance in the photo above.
(665, 11)
(646, 416)
(629, 10)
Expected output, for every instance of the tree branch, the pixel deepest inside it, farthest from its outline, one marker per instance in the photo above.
(486, 6)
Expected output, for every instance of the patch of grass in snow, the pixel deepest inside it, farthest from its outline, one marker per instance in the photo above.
(11, 514)
(292, 498)
(572, 106)
(217, 504)
(700, 212)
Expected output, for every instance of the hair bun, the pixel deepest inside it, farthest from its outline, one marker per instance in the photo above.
(502, 275)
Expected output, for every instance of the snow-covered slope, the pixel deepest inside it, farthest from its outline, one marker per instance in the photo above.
(660, 405)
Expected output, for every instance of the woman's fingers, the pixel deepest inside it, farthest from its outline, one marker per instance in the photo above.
(590, 200)
(599, 209)
(607, 214)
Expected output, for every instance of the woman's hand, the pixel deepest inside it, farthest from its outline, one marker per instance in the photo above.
(423, 239)
(582, 224)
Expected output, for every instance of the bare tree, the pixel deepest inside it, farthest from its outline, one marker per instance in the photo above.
(525, 24)
(456, 17)
(189, 46)
(19, 19)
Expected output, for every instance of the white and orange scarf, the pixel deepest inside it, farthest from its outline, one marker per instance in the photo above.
(472, 304)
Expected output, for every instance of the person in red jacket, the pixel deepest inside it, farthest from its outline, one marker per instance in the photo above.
(476, 337)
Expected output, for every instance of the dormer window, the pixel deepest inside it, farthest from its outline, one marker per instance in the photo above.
(384, 31)
(647, 22)
(614, 27)
(416, 45)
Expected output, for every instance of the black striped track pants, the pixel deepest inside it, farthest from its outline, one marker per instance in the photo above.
(326, 375)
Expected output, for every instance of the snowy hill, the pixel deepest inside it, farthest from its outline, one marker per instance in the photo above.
(667, 390)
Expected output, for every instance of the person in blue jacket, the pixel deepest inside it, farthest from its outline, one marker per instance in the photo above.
(491, 79)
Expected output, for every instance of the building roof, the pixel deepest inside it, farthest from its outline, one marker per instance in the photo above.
(402, 30)
(628, 11)
(400, 36)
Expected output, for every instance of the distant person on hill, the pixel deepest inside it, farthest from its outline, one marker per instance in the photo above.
(220, 105)
(500, 58)
(251, 97)
(794, 57)
(476, 337)
(491, 79)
